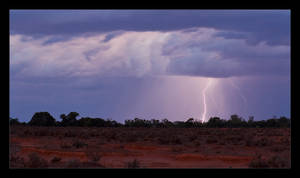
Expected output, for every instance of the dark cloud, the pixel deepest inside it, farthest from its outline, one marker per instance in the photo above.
(193, 52)
(112, 35)
(56, 38)
(272, 26)
(108, 73)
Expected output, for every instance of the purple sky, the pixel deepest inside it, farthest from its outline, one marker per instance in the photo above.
(122, 64)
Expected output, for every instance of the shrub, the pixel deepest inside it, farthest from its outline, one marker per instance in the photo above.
(130, 138)
(277, 162)
(91, 165)
(222, 142)
(285, 141)
(74, 163)
(163, 140)
(258, 162)
(192, 138)
(235, 139)
(263, 142)
(36, 162)
(65, 145)
(93, 156)
(133, 164)
(211, 140)
(176, 140)
(273, 162)
(249, 142)
(79, 144)
(16, 161)
(70, 134)
(27, 132)
(197, 143)
(55, 159)
(278, 148)
(177, 149)
(41, 133)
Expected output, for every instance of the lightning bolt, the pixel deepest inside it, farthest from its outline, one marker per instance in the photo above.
(240, 93)
(204, 100)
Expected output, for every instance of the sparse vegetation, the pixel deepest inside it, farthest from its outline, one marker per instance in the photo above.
(93, 156)
(65, 145)
(235, 121)
(79, 144)
(273, 162)
(211, 140)
(74, 163)
(133, 164)
(58, 144)
(55, 159)
(35, 161)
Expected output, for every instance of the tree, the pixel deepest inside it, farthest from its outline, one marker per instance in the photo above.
(251, 121)
(154, 123)
(63, 116)
(215, 122)
(167, 123)
(72, 115)
(14, 121)
(70, 119)
(284, 122)
(235, 121)
(189, 122)
(179, 124)
(42, 119)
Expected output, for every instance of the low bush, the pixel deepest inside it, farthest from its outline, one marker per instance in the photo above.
(65, 145)
(16, 161)
(211, 140)
(278, 148)
(70, 134)
(278, 162)
(93, 156)
(36, 162)
(273, 162)
(79, 144)
(133, 164)
(74, 163)
(263, 142)
(192, 138)
(258, 162)
(55, 159)
(176, 140)
(163, 140)
(131, 138)
(177, 149)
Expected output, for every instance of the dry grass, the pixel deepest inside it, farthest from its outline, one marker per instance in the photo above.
(133, 164)
(92, 142)
(273, 162)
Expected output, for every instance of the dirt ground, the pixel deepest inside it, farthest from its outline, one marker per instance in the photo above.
(75, 147)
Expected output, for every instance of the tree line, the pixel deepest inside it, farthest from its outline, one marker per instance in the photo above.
(235, 121)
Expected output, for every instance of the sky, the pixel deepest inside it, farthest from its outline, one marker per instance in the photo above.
(174, 64)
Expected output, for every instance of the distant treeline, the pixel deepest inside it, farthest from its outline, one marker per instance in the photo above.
(45, 119)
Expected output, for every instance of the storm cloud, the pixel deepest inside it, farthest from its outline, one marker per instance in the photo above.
(149, 63)
(196, 52)
(275, 24)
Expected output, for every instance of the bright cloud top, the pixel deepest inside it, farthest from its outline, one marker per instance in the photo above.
(194, 52)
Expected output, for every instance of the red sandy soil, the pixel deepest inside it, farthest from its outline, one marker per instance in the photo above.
(151, 147)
